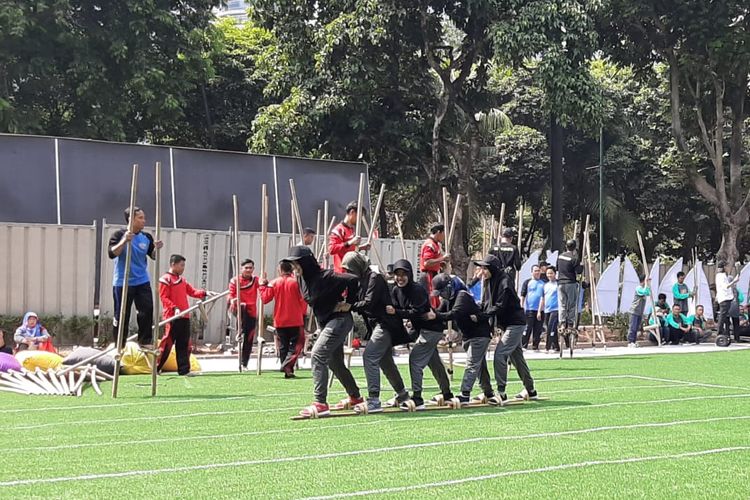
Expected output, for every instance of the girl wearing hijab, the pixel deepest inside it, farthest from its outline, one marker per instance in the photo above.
(31, 334)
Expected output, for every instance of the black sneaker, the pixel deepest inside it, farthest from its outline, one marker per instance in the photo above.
(464, 400)
(414, 404)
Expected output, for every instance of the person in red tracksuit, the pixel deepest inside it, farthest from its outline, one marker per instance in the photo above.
(249, 301)
(431, 259)
(342, 238)
(289, 309)
(174, 291)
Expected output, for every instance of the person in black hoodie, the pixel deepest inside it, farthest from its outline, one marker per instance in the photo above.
(568, 268)
(411, 301)
(324, 291)
(385, 331)
(461, 308)
(500, 304)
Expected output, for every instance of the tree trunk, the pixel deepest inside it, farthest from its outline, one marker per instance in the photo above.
(729, 237)
(556, 149)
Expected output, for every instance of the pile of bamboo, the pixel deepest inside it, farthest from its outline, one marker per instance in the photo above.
(53, 382)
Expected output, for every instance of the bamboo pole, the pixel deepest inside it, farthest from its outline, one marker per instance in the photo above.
(324, 240)
(520, 243)
(374, 249)
(263, 258)
(295, 206)
(316, 240)
(294, 225)
(401, 236)
(376, 214)
(324, 249)
(238, 278)
(121, 326)
(360, 201)
(651, 290)
(500, 224)
(157, 298)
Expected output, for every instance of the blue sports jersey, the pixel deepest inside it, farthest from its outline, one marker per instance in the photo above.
(141, 245)
(550, 297)
(534, 293)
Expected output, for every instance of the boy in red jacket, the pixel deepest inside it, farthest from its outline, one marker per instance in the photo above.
(342, 238)
(174, 291)
(289, 309)
(249, 301)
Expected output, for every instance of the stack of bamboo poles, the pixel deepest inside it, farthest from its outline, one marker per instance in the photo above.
(53, 382)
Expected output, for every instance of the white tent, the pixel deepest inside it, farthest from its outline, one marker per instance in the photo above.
(669, 280)
(703, 292)
(525, 272)
(629, 284)
(608, 288)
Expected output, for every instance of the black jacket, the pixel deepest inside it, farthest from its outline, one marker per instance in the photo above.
(461, 309)
(412, 302)
(323, 289)
(371, 301)
(500, 302)
(510, 257)
(568, 267)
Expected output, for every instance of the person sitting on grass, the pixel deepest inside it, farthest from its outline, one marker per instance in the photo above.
(699, 331)
(662, 311)
(3, 346)
(678, 326)
(32, 335)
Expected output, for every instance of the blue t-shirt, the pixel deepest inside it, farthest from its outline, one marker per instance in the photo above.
(534, 293)
(141, 245)
(550, 297)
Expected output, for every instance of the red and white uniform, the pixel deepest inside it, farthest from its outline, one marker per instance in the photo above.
(289, 306)
(248, 294)
(174, 291)
(431, 249)
(337, 246)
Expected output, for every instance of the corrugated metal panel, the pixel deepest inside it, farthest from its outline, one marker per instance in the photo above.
(208, 263)
(49, 269)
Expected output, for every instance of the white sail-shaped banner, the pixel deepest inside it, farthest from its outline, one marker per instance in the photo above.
(525, 272)
(744, 282)
(703, 291)
(608, 288)
(629, 283)
(669, 280)
(655, 272)
(552, 257)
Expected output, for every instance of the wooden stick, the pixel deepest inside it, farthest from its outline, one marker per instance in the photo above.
(651, 294)
(445, 208)
(122, 328)
(43, 382)
(14, 387)
(157, 298)
(295, 206)
(81, 379)
(595, 312)
(375, 217)
(500, 224)
(492, 230)
(360, 201)
(323, 250)
(484, 235)
(64, 383)
(55, 381)
(263, 257)
(294, 224)
(93, 381)
(71, 382)
(324, 239)
(374, 249)
(520, 241)
(401, 236)
(453, 223)
(238, 279)
(20, 379)
(316, 241)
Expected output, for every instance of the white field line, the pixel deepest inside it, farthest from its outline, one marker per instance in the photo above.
(370, 451)
(699, 384)
(274, 410)
(549, 468)
(622, 387)
(251, 396)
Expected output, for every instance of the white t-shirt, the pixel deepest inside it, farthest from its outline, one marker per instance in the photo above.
(723, 290)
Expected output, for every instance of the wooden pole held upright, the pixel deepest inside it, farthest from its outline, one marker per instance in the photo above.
(500, 224)
(157, 271)
(375, 217)
(238, 278)
(401, 236)
(263, 259)
(360, 201)
(657, 330)
(121, 326)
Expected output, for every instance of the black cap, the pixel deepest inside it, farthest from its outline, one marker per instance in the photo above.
(437, 228)
(571, 244)
(440, 281)
(299, 252)
(351, 206)
(488, 261)
(508, 232)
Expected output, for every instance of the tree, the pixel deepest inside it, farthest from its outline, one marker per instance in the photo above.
(705, 47)
(102, 70)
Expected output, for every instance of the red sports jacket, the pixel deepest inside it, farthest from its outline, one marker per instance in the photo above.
(289, 306)
(337, 246)
(248, 294)
(174, 291)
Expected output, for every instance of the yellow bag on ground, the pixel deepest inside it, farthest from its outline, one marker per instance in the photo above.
(31, 360)
(134, 362)
(171, 364)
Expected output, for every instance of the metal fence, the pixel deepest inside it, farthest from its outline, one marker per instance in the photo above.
(48, 269)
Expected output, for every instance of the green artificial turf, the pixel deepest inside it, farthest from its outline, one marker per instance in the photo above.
(229, 436)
